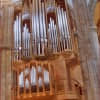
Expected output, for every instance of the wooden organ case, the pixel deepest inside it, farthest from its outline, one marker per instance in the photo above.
(42, 32)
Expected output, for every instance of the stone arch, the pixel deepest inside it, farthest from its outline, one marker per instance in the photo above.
(91, 7)
(94, 4)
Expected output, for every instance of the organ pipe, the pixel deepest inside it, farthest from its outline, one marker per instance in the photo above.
(18, 88)
(50, 79)
(37, 82)
(30, 81)
(24, 83)
(44, 23)
(42, 65)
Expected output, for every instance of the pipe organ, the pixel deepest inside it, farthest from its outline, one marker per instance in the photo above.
(39, 30)
(34, 78)
(36, 34)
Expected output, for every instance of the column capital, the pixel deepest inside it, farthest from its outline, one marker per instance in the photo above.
(92, 27)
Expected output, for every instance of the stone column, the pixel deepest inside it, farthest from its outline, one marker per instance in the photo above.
(0, 50)
(98, 30)
(89, 50)
(5, 46)
(0, 74)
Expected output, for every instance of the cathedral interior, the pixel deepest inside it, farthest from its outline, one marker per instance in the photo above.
(49, 49)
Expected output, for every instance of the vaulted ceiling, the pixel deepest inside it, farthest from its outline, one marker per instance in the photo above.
(90, 4)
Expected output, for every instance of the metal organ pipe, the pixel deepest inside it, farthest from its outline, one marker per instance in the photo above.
(23, 35)
(19, 36)
(37, 82)
(38, 27)
(18, 88)
(19, 30)
(52, 38)
(43, 34)
(33, 30)
(66, 24)
(34, 33)
(16, 37)
(67, 31)
(44, 24)
(24, 82)
(55, 38)
(50, 32)
(41, 28)
(26, 41)
(42, 67)
(15, 34)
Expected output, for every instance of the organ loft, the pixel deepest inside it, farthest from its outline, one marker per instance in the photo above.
(49, 49)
